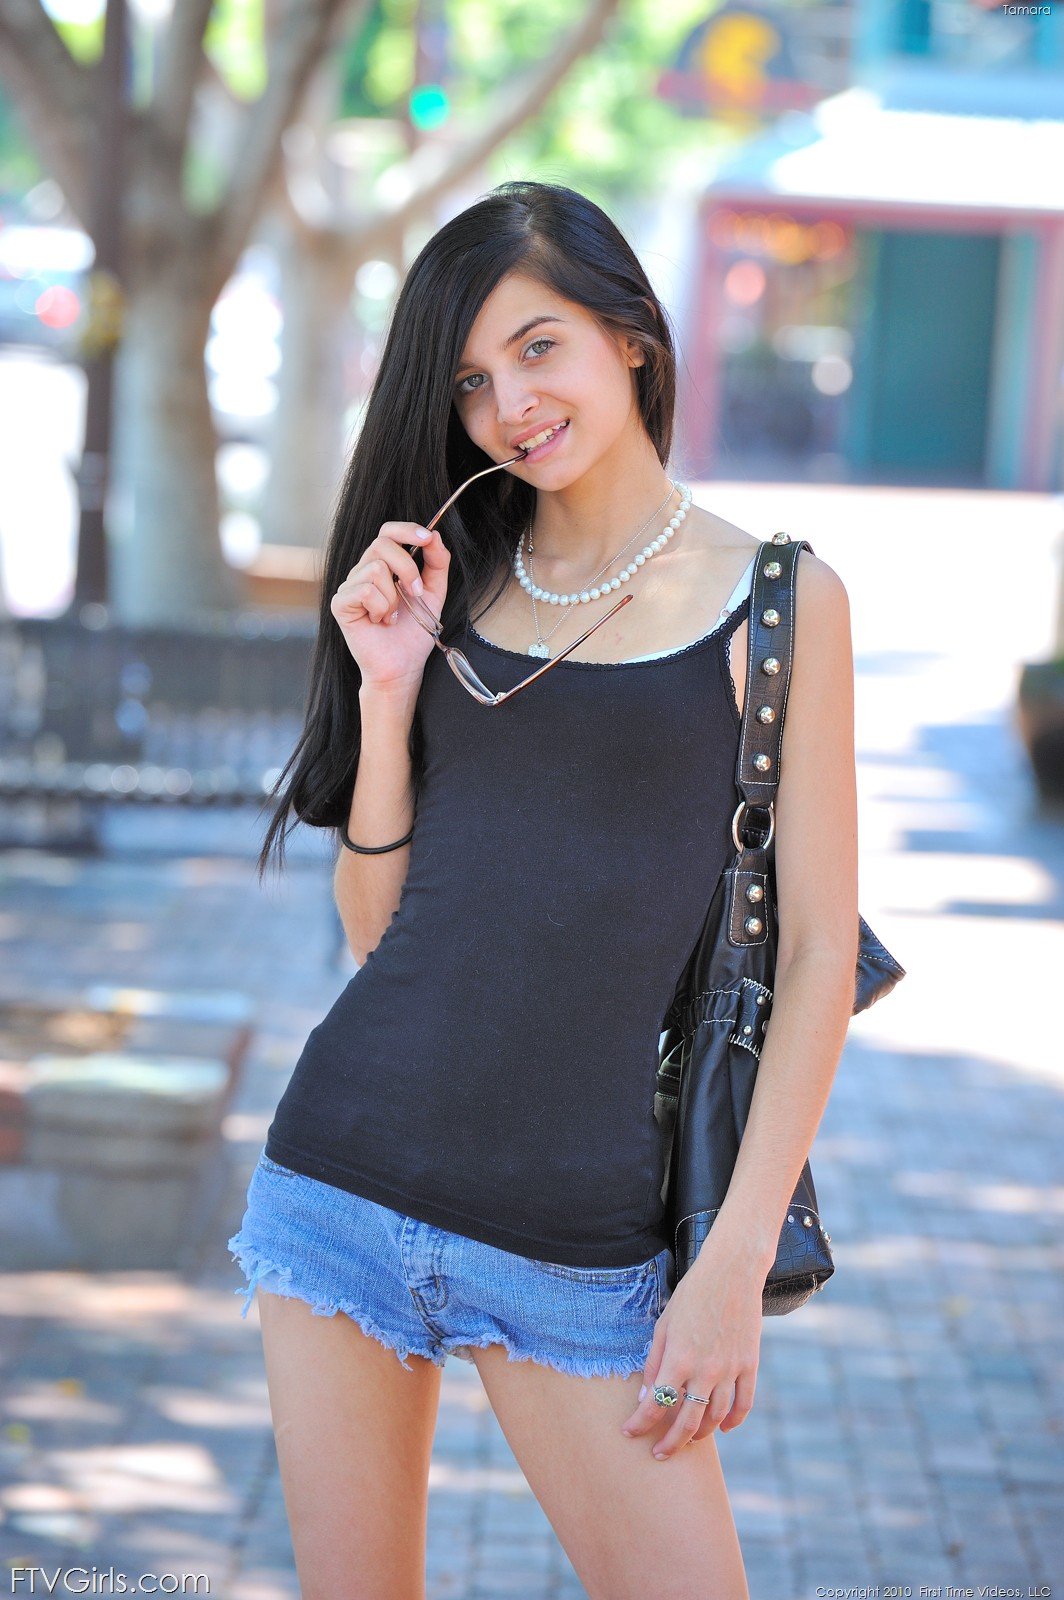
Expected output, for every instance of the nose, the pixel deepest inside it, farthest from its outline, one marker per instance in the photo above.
(515, 405)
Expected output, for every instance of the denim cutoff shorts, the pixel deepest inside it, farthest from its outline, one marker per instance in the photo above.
(422, 1290)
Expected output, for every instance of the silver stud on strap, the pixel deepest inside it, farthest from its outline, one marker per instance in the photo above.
(753, 924)
(762, 762)
(781, 538)
(754, 891)
(765, 714)
(770, 618)
(772, 569)
(808, 1221)
(770, 665)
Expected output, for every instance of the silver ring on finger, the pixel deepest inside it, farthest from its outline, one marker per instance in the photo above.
(701, 1398)
(665, 1394)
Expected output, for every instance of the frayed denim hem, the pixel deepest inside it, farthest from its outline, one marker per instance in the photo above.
(255, 1266)
(573, 1367)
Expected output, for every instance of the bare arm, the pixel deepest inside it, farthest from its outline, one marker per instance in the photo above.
(367, 888)
(391, 649)
(816, 959)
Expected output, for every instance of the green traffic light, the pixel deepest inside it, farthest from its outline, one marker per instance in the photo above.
(429, 105)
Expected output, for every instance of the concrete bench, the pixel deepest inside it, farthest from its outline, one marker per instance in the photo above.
(114, 1157)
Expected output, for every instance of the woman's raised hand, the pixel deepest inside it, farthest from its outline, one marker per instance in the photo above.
(389, 644)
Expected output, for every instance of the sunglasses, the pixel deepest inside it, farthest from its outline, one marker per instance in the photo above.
(457, 660)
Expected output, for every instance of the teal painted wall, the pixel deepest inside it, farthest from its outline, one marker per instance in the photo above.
(923, 354)
(893, 30)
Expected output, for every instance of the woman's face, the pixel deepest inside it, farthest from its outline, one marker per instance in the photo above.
(514, 381)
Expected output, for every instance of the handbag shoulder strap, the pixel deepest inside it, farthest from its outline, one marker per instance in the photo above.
(768, 667)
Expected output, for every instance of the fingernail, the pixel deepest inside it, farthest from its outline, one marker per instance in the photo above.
(643, 1392)
(627, 1432)
(417, 585)
(659, 1455)
(394, 617)
(422, 533)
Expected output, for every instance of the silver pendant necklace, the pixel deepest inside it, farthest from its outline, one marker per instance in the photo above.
(540, 646)
(595, 591)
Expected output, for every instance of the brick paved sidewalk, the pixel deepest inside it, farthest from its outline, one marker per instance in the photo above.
(908, 1422)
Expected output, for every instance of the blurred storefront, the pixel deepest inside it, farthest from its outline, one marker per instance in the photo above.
(879, 280)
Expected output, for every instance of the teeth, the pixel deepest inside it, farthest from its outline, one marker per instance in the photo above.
(541, 438)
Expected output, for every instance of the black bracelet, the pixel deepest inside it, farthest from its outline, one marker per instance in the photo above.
(373, 849)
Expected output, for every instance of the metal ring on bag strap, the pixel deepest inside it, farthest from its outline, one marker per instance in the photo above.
(744, 805)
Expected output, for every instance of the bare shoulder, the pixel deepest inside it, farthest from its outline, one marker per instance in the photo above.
(819, 583)
(823, 646)
(712, 538)
(822, 653)
(818, 586)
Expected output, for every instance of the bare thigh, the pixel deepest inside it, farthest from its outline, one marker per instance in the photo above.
(354, 1435)
(630, 1525)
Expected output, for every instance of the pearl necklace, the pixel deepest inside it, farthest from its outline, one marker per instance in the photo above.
(604, 567)
(585, 596)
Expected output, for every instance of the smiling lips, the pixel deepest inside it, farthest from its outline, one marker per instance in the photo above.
(528, 445)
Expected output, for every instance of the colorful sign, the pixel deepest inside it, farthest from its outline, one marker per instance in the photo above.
(739, 60)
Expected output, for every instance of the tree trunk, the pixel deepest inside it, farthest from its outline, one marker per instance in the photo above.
(307, 443)
(167, 562)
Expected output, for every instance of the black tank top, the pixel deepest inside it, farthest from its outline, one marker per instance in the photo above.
(491, 1067)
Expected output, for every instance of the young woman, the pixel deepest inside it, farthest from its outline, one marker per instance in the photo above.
(465, 1160)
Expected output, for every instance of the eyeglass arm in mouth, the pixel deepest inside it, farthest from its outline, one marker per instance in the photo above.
(432, 624)
(482, 474)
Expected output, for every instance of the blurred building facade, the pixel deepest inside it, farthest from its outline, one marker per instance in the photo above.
(879, 276)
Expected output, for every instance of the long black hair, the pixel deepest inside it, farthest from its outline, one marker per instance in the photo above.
(412, 450)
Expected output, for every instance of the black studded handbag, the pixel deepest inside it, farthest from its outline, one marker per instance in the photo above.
(713, 1030)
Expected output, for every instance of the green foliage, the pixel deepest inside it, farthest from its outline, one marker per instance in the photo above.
(390, 58)
(605, 130)
(84, 40)
(355, 98)
(236, 44)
